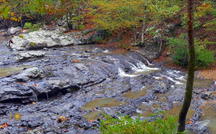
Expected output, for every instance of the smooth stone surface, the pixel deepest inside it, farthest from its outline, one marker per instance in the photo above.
(13, 30)
(41, 39)
(29, 54)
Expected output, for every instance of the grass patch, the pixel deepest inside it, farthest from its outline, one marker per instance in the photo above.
(127, 125)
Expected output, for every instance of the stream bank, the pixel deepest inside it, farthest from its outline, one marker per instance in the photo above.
(44, 81)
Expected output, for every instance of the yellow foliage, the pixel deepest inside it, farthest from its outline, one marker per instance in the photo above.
(116, 15)
(203, 9)
(15, 19)
(17, 116)
(62, 119)
(2, 1)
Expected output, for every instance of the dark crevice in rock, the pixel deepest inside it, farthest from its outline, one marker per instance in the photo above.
(15, 101)
(56, 92)
(92, 83)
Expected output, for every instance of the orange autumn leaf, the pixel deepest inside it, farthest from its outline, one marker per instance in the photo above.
(62, 119)
(4, 125)
(189, 122)
(75, 61)
(35, 85)
(91, 121)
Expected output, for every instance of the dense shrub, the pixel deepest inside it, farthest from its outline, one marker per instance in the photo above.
(43, 10)
(31, 27)
(127, 125)
(179, 50)
(204, 56)
(121, 15)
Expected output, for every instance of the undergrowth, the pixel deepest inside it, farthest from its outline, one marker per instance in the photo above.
(32, 27)
(127, 125)
(179, 51)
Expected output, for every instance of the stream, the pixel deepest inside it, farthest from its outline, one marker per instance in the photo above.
(64, 90)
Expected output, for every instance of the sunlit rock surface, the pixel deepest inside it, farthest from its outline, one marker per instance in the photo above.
(29, 54)
(41, 39)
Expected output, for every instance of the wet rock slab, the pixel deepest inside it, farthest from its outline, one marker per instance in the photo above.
(80, 83)
(29, 54)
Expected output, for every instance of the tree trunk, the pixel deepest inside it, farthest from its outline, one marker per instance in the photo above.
(191, 69)
(143, 32)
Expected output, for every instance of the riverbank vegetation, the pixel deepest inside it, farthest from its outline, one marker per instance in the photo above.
(144, 21)
(127, 125)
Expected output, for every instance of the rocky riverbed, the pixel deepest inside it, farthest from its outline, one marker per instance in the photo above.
(50, 84)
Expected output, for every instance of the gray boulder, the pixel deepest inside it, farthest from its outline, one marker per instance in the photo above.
(43, 38)
(29, 54)
(18, 93)
(30, 73)
(13, 30)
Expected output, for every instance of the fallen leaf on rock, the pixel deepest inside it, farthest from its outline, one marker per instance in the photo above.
(91, 121)
(62, 119)
(35, 85)
(17, 116)
(21, 83)
(4, 125)
(189, 122)
(75, 61)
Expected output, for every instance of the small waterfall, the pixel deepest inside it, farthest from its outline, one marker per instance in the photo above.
(171, 79)
(106, 51)
(149, 64)
(141, 67)
(181, 78)
(122, 73)
(174, 74)
(157, 78)
(137, 69)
